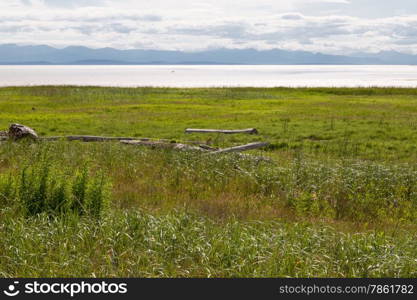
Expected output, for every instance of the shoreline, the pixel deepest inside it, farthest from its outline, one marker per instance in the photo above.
(212, 76)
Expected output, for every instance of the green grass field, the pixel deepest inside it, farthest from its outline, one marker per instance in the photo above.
(337, 199)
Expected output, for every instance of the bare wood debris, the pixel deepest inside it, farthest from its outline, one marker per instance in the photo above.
(225, 131)
(18, 131)
(179, 146)
(92, 138)
(164, 145)
(241, 148)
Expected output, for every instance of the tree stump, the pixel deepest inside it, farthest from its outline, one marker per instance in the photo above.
(18, 131)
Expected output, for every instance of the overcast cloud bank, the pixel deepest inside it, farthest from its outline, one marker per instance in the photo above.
(340, 27)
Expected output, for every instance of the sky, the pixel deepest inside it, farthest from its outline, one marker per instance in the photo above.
(326, 26)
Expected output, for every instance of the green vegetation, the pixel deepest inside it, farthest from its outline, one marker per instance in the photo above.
(365, 123)
(339, 198)
(134, 243)
(42, 190)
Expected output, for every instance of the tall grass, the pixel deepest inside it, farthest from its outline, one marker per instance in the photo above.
(178, 244)
(336, 198)
(49, 178)
(43, 188)
(181, 214)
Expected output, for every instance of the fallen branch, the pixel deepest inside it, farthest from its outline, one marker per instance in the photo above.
(206, 147)
(202, 148)
(241, 148)
(84, 138)
(92, 138)
(225, 131)
(163, 145)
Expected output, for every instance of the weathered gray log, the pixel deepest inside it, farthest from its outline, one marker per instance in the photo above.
(225, 131)
(92, 138)
(206, 147)
(89, 138)
(18, 131)
(51, 138)
(241, 148)
(163, 145)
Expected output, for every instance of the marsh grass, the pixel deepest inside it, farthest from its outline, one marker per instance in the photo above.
(338, 197)
(180, 214)
(48, 177)
(366, 123)
(178, 244)
(43, 188)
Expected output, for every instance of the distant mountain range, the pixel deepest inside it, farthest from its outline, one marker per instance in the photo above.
(11, 54)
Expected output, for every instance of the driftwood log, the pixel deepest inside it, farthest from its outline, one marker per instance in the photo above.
(241, 148)
(93, 138)
(18, 131)
(225, 131)
(89, 138)
(179, 146)
(164, 145)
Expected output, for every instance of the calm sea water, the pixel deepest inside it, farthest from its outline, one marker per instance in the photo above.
(213, 75)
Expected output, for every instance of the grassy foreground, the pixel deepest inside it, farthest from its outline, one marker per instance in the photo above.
(339, 198)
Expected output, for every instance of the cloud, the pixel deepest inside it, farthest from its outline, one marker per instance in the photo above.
(292, 16)
(195, 25)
